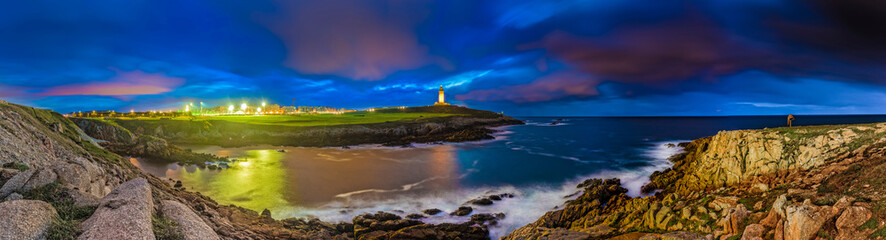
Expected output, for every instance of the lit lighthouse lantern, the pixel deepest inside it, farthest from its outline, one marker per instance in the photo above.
(441, 99)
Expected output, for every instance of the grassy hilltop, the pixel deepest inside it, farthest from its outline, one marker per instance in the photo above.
(309, 120)
(389, 126)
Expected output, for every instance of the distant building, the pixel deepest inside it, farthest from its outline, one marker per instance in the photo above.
(441, 100)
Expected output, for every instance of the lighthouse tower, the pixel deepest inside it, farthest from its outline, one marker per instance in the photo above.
(441, 100)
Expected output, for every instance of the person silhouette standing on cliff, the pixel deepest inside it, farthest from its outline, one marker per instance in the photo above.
(790, 119)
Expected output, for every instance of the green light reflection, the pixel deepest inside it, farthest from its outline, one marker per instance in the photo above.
(255, 182)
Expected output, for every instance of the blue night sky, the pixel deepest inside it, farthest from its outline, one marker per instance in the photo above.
(523, 57)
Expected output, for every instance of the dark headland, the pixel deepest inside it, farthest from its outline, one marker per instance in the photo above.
(425, 124)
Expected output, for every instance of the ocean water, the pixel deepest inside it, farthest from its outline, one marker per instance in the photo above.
(539, 163)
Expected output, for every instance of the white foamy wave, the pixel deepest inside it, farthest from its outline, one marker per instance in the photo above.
(529, 204)
(403, 188)
(537, 151)
(547, 124)
(634, 179)
(502, 133)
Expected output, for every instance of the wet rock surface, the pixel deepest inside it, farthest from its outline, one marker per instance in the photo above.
(389, 226)
(462, 211)
(432, 211)
(439, 231)
(489, 199)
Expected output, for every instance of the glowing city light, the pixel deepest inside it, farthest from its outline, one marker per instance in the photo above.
(258, 110)
(243, 106)
(262, 104)
(231, 108)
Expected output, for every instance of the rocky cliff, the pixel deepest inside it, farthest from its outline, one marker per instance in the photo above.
(817, 182)
(732, 157)
(121, 141)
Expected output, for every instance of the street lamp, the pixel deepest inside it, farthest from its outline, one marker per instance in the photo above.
(243, 106)
(231, 109)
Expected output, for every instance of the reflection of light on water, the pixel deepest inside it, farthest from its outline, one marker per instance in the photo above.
(288, 182)
(170, 173)
(223, 153)
(256, 182)
(135, 162)
(443, 163)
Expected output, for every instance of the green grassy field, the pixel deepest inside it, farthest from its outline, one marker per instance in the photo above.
(303, 120)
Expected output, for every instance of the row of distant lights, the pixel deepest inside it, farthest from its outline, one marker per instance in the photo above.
(373, 109)
(243, 107)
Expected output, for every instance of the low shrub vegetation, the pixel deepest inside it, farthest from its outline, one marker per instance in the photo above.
(67, 224)
(166, 229)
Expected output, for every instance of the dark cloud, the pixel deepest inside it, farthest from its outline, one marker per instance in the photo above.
(851, 30)
(703, 42)
(653, 54)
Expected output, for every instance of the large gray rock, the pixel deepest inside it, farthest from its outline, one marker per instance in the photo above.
(39, 179)
(25, 219)
(84, 175)
(123, 214)
(15, 183)
(192, 226)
